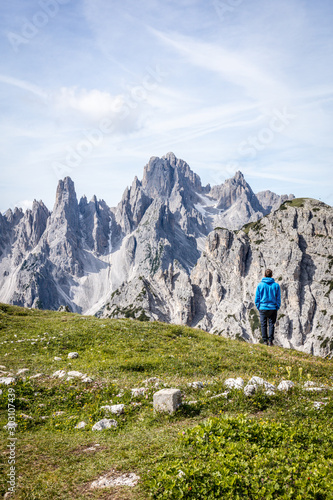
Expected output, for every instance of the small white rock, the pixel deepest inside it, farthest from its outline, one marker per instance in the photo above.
(222, 395)
(114, 409)
(196, 385)
(318, 404)
(234, 383)
(153, 381)
(309, 383)
(58, 413)
(80, 425)
(59, 374)
(139, 391)
(249, 389)
(105, 423)
(73, 355)
(87, 380)
(259, 382)
(76, 374)
(37, 375)
(23, 370)
(7, 380)
(285, 385)
(56, 358)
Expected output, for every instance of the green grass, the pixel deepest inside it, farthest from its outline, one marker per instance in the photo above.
(254, 226)
(52, 461)
(296, 203)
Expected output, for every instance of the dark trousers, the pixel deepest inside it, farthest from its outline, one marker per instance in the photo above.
(269, 315)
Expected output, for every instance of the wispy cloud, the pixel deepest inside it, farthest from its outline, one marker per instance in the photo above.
(231, 66)
(24, 85)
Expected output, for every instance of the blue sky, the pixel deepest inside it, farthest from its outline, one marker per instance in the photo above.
(93, 88)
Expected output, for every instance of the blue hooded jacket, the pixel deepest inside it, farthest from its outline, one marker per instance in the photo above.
(268, 295)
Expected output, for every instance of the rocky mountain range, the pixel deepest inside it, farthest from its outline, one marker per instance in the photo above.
(176, 251)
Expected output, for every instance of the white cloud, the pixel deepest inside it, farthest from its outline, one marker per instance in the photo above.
(93, 103)
(24, 204)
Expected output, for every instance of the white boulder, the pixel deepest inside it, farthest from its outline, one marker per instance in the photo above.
(23, 370)
(196, 385)
(59, 374)
(138, 391)
(114, 409)
(285, 385)
(234, 383)
(103, 424)
(221, 395)
(167, 400)
(257, 382)
(249, 389)
(7, 380)
(73, 355)
(75, 374)
(80, 425)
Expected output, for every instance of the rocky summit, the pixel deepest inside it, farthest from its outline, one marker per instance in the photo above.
(176, 251)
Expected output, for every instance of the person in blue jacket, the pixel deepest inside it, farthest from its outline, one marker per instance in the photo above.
(268, 302)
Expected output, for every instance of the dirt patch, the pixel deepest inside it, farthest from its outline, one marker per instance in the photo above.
(88, 448)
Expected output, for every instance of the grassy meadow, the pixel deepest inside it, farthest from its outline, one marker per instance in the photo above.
(237, 447)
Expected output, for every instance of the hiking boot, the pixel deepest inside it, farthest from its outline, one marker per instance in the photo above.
(265, 342)
(271, 342)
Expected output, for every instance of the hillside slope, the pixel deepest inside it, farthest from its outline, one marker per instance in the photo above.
(57, 461)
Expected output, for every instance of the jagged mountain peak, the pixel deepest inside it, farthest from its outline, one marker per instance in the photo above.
(13, 216)
(65, 194)
(238, 177)
(37, 204)
(232, 190)
(162, 175)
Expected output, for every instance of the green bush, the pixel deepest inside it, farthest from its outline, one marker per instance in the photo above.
(242, 458)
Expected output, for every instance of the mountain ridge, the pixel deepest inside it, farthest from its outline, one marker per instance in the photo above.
(141, 258)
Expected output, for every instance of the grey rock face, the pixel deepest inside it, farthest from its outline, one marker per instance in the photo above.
(294, 241)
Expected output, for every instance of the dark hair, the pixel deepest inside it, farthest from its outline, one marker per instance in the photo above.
(268, 273)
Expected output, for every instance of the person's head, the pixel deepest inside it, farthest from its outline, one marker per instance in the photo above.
(268, 273)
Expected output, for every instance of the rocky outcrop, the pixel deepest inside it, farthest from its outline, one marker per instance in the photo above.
(295, 241)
